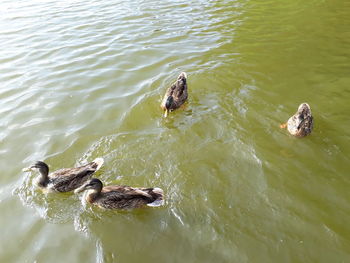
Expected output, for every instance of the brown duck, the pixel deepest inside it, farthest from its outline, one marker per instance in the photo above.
(176, 94)
(120, 197)
(301, 123)
(66, 179)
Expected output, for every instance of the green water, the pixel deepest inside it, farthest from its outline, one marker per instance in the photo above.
(84, 79)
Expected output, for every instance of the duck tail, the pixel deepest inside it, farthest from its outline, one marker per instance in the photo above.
(99, 162)
(158, 191)
(158, 194)
(183, 75)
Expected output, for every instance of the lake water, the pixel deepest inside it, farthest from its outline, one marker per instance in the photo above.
(84, 79)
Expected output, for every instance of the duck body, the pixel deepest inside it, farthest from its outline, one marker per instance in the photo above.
(120, 197)
(176, 94)
(66, 179)
(301, 123)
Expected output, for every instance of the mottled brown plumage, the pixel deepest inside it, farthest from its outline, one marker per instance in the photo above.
(66, 179)
(301, 123)
(120, 197)
(176, 94)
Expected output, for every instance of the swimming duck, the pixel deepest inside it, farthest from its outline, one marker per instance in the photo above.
(120, 197)
(176, 94)
(66, 179)
(301, 123)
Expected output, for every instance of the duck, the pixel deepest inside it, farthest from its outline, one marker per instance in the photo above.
(301, 123)
(120, 196)
(65, 179)
(176, 94)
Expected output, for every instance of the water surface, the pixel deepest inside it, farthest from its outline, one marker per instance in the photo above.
(84, 79)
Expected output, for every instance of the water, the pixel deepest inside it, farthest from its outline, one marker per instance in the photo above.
(84, 79)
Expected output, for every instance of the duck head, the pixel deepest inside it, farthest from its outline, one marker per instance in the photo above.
(43, 169)
(168, 104)
(94, 186)
(40, 166)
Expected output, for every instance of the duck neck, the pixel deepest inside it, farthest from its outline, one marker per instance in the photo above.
(91, 195)
(43, 179)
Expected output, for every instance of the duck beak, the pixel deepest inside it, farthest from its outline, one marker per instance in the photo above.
(283, 125)
(166, 113)
(81, 188)
(28, 169)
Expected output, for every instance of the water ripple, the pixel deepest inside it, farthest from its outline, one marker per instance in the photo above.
(84, 79)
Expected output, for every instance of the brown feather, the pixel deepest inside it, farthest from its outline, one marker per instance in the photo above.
(178, 92)
(66, 179)
(301, 123)
(119, 196)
